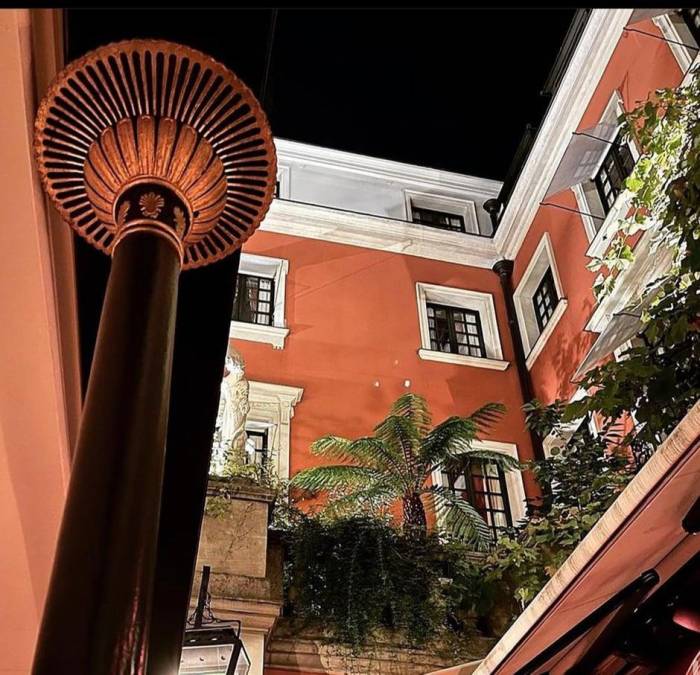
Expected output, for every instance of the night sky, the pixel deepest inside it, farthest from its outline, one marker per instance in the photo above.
(450, 89)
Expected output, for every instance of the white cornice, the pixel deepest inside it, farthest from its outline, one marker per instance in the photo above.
(271, 392)
(583, 74)
(291, 152)
(382, 234)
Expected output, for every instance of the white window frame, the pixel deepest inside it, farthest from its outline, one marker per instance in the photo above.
(451, 205)
(476, 301)
(272, 408)
(568, 429)
(674, 28)
(533, 340)
(271, 268)
(586, 193)
(514, 479)
(284, 178)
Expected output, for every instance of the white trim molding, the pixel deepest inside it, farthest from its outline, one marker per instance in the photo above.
(275, 269)
(284, 178)
(564, 433)
(379, 233)
(476, 301)
(650, 264)
(458, 207)
(272, 407)
(674, 29)
(240, 330)
(533, 339)
(437, 180)
(591, 57)
(514, 478)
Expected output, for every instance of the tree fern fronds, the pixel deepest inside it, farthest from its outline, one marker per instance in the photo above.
(461, 519)
(365, 451)
(334, 477)
(488, 415)
(414, 408)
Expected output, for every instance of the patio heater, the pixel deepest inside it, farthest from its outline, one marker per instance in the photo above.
(163, 159)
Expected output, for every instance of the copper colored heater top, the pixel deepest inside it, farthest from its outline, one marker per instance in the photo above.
(148, 133)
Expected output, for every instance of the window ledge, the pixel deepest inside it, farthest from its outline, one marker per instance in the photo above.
(546, 333)
(462, 360)
(603, 237)
(273, 335)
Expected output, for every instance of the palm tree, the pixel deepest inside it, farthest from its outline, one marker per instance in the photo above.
(396, 462)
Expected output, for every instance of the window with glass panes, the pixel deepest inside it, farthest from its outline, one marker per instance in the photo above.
(484, 487)
(545, 299)
(254, 299)
(692, 20)
(256, 446)
(439, 219)
(616, 167)
(455, 330)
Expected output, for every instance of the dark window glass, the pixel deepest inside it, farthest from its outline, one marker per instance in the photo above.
(545, 299)
(692, 19)
(484, 487)
(254, 299)
(443, 221)
(455, 330)
(277, 189)
(256, 446)
(616, 167)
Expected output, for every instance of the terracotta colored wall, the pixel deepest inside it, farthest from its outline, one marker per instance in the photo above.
(353, 319)
(639, 65)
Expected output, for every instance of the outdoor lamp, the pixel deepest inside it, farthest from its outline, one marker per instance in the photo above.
(163, 159)
(213, 651)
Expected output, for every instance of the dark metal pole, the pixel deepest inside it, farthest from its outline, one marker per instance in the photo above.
(197, 367)
(96, 615)
(504, 269)
(202, 599)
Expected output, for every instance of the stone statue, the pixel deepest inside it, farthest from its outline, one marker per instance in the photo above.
(234, 410)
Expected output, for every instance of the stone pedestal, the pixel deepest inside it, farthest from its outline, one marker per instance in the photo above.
(245, 560)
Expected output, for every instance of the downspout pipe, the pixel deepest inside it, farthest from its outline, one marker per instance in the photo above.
(504, 270)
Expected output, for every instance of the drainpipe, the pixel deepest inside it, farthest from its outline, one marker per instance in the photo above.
(504, 269)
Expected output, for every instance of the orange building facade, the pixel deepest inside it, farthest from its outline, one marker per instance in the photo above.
(355, 262)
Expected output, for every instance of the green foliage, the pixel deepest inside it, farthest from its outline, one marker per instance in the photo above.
(657, 380)
(582, 478)
(395, 465)
(360, 577)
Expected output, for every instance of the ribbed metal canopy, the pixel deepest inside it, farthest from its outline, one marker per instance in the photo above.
(156, 113)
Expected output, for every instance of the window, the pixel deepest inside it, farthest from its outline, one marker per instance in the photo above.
(259, 301)
(458, 326)
(545, 299)
(277, 189)
(616, 167)
(485, 489)
(267, 426)
(455, 330)
(256, 447)
(692, 20)
(439, 219)
(253, 301)
(539, 301)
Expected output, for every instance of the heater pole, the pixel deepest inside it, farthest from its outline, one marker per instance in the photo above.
(97, 610)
